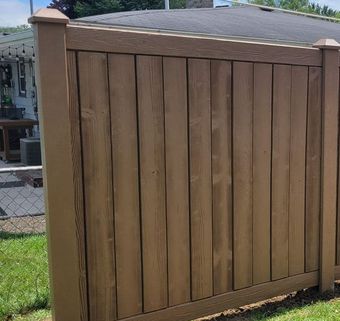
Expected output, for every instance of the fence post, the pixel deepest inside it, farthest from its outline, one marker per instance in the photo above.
(67, 271)
(329, 159)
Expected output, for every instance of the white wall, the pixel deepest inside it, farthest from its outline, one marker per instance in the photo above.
(29, 101)
(16, 40)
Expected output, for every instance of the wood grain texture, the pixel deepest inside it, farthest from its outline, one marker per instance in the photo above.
(298, 119)
(98, 193)
(62, 203)
(233, 299)
(243, 97)
(187, 185)
(280, 170)
(49, 15)
(152, 180)
(126, 184)
(337, 272)
(262, 117)
(221, 81)
(313, 176)
(77, 176)
(200, 178)
(329, 167)
(177, 179)
(338, 215)
(148, 43)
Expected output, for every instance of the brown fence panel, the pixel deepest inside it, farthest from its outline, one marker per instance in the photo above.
(201, 180)
(297, 183)
(337, 268)
(221, 151)
(262, 158)
(126, 184)
(177, 183)
(313, 173)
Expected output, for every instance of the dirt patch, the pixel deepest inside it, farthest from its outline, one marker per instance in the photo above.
(274, 305)
(33, 178)
(23, 224)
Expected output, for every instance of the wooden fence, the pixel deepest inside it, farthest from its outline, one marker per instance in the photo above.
(185, 175)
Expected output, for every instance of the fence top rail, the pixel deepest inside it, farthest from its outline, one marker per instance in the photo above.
(19, 169)
(101, 38)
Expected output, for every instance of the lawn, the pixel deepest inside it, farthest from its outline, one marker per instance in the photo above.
(24, 294)
(306, 305)
(23, 274)
(318, 311)
(40, 315)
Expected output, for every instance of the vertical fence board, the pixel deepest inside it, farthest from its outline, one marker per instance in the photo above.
(313, 163)
(338, 209)
(222, 177)
(243, 92)
(77, 175)
(98, 194)
(297, 170)
(125, 184)
(152, 167)
(329, 163)
(200, 178)
(177, 179)
(262, 171)
(280, 170)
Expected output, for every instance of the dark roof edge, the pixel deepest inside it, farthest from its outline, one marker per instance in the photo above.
(192, 34)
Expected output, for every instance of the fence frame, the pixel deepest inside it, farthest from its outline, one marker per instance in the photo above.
(63, 214)
(62, 180)
(329, 161)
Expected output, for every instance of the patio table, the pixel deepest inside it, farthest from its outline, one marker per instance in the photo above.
(7, 124)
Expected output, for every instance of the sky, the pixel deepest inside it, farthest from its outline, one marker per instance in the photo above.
(16, 12)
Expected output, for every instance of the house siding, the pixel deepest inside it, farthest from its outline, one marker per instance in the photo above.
(29, 101)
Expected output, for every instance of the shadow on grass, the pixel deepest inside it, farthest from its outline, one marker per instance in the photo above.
(15, 236)
(38, 304)
(278, 305)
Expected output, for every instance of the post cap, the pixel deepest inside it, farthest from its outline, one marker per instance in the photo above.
(327, 44)
(48, 15)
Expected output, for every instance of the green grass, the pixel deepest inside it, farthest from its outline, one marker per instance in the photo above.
(319, 311)
(23, 274)
(24, 293)
(40, 315)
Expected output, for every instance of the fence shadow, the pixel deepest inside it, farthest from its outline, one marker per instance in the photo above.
(15, 236)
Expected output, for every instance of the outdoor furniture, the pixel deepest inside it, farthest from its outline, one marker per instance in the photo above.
(12, 113)
(6, 153)
(30, 151)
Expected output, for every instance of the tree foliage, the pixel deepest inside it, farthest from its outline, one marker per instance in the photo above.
(294, 4)
(269, 3)
(300, 5)
(323, 10)
(14, 29)
(129, 5)
(81, 8)
(65, 6)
